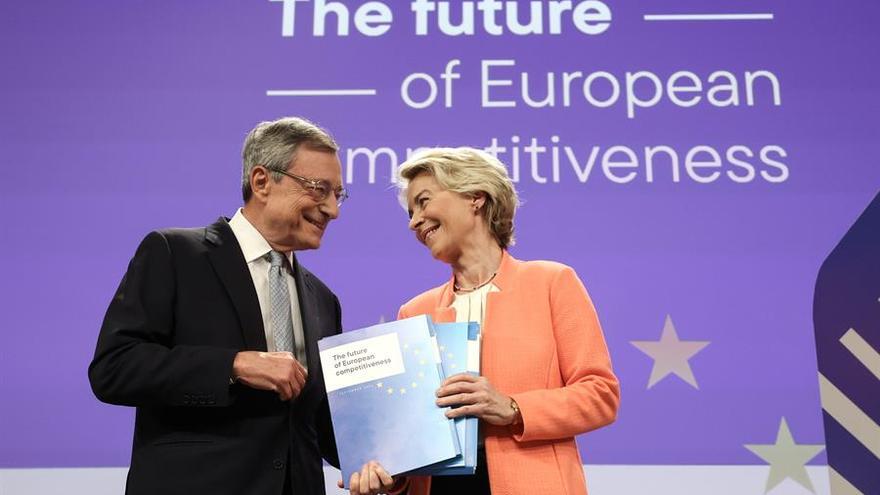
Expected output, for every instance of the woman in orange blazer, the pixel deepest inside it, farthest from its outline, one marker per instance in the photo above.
(546, 373)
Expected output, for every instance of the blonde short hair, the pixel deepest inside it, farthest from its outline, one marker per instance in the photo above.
(469, 171)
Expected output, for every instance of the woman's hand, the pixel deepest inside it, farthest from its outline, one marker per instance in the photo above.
(471, 395)
(371, 480)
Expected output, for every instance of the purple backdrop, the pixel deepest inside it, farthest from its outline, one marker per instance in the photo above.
(122, 117)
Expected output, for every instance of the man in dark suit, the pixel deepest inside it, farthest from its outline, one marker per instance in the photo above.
(212, 334)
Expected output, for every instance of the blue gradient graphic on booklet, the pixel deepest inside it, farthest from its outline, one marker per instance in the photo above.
(459, 352)
(472, 424)
(381, 383)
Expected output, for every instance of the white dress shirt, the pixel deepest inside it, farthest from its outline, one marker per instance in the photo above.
(471, 306)
(256, 253)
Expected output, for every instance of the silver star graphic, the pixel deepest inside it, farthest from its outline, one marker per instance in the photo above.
(670, 355)
(786, 458)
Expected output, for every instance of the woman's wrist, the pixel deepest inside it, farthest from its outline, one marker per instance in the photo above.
(517, 414)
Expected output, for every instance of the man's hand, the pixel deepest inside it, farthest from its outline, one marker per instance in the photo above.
(278, 372)
(471, 395)
(371, 480)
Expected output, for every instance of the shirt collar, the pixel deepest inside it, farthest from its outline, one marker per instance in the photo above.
(253, 245)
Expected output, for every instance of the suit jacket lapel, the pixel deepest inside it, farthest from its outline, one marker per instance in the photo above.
(501, 306)
(229, 264)
(443, 312)
(443, 315)
(308, 310)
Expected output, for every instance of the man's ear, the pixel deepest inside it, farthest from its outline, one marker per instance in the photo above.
(260, 178)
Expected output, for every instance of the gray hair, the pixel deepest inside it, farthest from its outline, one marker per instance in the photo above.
(273, 144)
(468, 171)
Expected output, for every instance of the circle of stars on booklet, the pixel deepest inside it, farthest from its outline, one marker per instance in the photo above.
(392, 387)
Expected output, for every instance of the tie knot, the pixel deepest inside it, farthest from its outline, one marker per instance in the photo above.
(276, 258)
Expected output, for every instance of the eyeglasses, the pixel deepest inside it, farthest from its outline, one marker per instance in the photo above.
(318, 189)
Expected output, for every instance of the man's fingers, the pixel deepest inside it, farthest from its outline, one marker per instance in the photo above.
(300, 373)
(371, 479)
(299, 381)
(354, 483)
(293, 379)
(386, 479)
(279, 372)
(374, 481)
(365, 479)
(295, 391)
(285, 391)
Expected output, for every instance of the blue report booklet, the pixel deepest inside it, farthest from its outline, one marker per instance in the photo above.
(381, 383)
(459, 352)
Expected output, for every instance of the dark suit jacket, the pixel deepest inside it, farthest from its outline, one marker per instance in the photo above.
(185, 307)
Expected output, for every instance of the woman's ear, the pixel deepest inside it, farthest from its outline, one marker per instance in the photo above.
(478, 201)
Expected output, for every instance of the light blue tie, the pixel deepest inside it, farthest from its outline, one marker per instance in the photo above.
(279, 301)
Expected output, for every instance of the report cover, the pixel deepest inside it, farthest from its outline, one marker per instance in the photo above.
(381, 382)
(459, 345)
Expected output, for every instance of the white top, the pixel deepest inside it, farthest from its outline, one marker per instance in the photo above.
(256, 253)
(471, 306)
